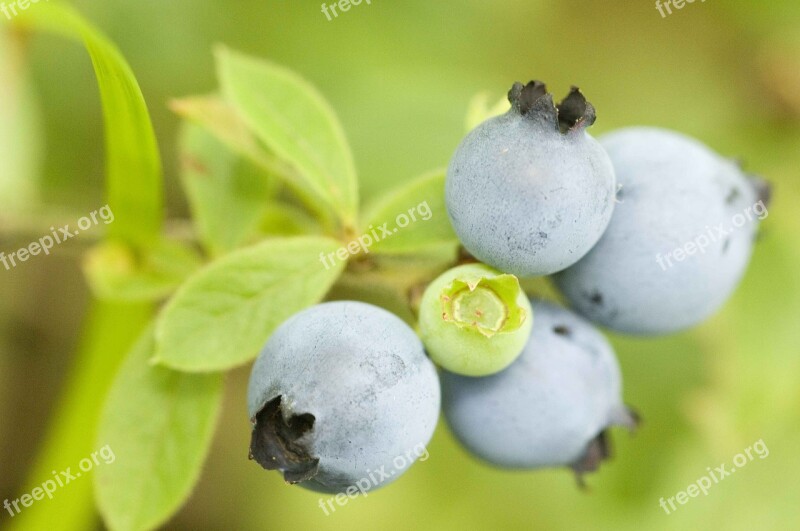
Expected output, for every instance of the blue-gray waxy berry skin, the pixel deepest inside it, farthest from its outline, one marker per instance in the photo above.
(675, 194)
(549, 407)
(363, 375)
(526, 198)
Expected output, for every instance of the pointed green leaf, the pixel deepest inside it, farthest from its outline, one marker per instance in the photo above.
(220, 120)
(227, 194)
(296, 123)
(158, 424)
(222, 316)
(133, 166)
(414, 218)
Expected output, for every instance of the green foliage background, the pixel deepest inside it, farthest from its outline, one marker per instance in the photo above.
(400, 76)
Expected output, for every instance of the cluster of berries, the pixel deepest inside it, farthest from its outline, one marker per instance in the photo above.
(344, 387)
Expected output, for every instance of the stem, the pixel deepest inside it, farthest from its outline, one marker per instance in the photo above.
(109, 331)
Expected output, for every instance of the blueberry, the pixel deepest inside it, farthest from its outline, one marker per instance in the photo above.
(673, 252)
(530, 192)
(341, 391)
(549, 408)
(474, 320)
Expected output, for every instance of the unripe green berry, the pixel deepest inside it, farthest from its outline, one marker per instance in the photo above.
(475, 320)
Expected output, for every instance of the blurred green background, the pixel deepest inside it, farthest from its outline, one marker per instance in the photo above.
(400, 76)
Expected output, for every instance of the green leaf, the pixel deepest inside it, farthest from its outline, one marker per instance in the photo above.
(227, 194)
(420, 206)
(283, 219)
(223, 315)
(296, 123)
(117, 272)
(158, 424)
(219, 118)
(133, 166)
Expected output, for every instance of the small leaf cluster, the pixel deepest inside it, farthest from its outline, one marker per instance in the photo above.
(272, 188)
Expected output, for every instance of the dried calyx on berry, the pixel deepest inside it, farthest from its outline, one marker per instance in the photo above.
(530, 192)
(574, 113)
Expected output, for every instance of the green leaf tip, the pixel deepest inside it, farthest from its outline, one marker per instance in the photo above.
(297, 124)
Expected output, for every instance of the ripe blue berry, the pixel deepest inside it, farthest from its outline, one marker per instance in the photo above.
(474, 320)
(679, 241)
(341, 389)
(530, 192)
(551, 407)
